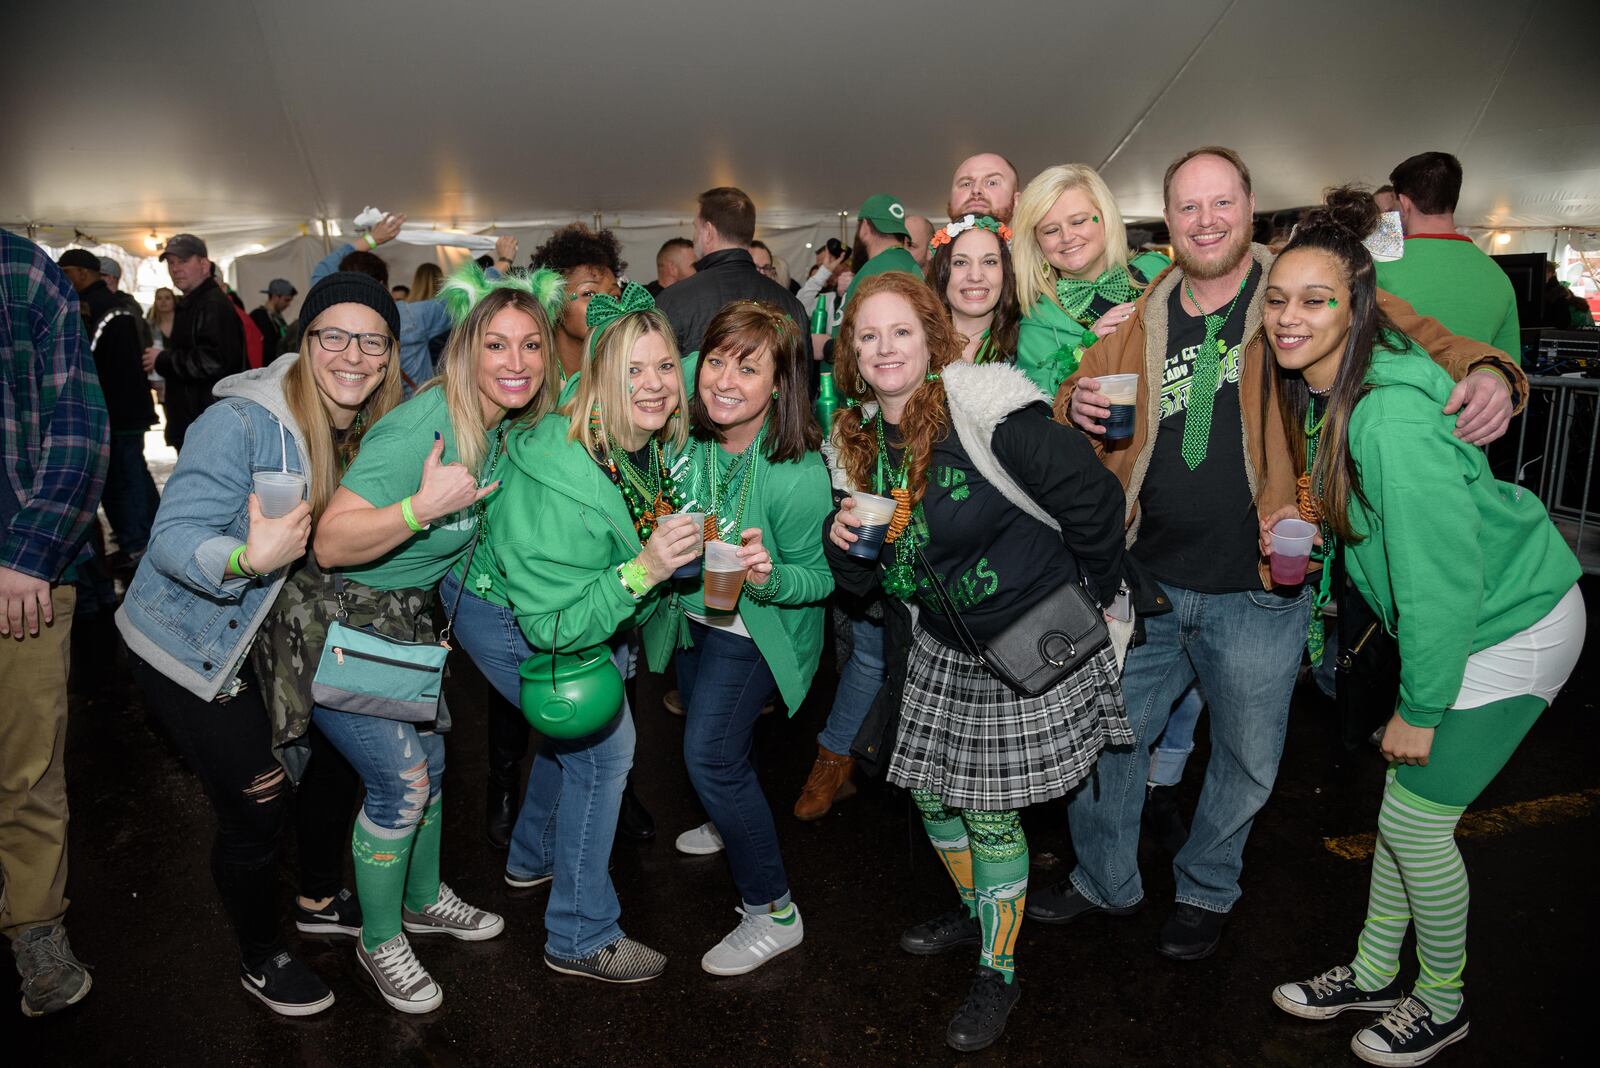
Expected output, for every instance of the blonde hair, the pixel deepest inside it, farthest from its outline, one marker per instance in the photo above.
(1036, 279)
(325, 458)
(461, 357)
(603, 385)
(426, 282)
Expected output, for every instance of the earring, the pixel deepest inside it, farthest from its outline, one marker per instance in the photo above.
(861, 387)
(774, 394)
(931, 376)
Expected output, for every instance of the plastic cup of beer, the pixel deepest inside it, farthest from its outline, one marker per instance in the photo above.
(874, 513)
(279, 491)
(724, 576)
(1291, 551)
(1122, 391)
(692, 568)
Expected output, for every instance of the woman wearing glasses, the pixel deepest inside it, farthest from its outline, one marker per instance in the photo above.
(216, 565)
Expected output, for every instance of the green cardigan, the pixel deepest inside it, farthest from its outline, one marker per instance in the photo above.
(1048, 336)
(555, 533)
(789, 502)
(1452, 561)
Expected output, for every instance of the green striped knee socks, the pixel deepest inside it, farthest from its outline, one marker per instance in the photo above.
(1417, 876)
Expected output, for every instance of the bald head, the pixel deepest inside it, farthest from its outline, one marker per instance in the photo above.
(985, 184)
(921, 233)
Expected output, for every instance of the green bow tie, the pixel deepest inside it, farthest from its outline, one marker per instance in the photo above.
(604, 309)
(1077, 294)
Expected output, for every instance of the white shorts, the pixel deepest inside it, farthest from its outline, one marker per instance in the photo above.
(1535, 661)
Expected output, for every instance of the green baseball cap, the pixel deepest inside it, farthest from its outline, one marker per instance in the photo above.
(886, 213)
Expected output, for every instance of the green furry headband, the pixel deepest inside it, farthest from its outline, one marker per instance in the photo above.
(468, 285)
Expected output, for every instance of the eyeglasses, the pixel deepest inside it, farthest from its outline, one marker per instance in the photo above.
(769, 270)
(335, 340)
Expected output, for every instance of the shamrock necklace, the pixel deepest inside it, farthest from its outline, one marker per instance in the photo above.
(899, 578)
(745, 464)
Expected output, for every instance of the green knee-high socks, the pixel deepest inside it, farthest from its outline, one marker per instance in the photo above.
(1417, 876)
(1000, 880)
(422, 877)
(949, 837)
(382, 857)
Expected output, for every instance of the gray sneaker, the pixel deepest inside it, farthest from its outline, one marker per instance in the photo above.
(402, 980)
(52, 978)
(623, 961)
(701, 841)
(452, 916)
(755, 941)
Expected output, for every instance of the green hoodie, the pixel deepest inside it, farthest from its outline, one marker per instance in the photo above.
(789, 502)
(555, 533)
(1047, 336)
(1452, 561)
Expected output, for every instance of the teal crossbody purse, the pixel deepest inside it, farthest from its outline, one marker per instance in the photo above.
(372, 674)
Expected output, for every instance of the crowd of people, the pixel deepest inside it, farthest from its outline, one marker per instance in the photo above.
(1056, 516)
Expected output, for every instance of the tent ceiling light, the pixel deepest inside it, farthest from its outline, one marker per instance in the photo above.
(151, 241)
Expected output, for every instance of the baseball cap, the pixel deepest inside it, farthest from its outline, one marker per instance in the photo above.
(280, 287)
(183, 246)
(886, 213)
(79, 257)
(110, 266)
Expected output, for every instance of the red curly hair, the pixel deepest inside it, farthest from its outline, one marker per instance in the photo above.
(926, 419)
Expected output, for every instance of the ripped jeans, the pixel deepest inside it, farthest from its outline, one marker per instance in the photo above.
(402, 767)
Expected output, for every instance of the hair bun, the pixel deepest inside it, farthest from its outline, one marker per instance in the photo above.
(1350, 208)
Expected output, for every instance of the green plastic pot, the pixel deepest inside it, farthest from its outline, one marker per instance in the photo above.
(571, 695)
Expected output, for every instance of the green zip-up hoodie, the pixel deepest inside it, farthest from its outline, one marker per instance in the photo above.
(1452, 560)
(555, 533)
(1047, 335)
(789, 502)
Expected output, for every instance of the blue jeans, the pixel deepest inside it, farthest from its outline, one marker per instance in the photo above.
(1244, 649)
(1177, 741)
(724, 682)
(569, 814)
(858, 685)
(130, 498)
(401, 767)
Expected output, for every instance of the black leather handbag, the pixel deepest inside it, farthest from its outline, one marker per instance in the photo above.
(1041, 647)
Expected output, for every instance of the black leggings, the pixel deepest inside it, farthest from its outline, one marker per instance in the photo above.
(228, 744)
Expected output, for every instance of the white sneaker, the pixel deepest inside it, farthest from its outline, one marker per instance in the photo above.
(755, 941)
(700, 842)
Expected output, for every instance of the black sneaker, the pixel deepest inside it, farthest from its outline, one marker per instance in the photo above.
(1191, 933)
(1325, 996)
(1061, 903)
(1407, 1034)
(341, 916)
(945, 931)
(634, 820)
(623, 961)
(287, 987)
(981, 1019)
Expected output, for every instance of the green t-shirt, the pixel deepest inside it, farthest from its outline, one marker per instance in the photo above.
(1453, 281)
(890, 259)
(389, 468)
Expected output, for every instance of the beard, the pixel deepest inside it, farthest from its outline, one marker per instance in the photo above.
(858, 255)
(1219, 263)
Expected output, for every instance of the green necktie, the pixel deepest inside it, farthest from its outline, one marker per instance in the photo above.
(1203, 380)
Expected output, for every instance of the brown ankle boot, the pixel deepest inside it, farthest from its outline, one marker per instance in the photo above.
(829, 782)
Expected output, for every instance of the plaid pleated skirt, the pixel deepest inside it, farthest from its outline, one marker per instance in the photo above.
(975, 742)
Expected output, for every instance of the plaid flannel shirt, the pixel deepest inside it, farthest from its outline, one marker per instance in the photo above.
(53, 430)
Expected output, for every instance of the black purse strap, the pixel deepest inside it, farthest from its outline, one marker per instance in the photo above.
(948, 606)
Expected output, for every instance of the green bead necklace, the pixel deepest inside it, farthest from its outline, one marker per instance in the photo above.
(899, 578)
(743, 467)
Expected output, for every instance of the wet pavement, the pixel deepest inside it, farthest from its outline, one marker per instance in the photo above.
(166, 992)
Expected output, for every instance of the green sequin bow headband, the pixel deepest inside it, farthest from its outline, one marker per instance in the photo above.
(463, 290)
(945, 235)
(604, 309)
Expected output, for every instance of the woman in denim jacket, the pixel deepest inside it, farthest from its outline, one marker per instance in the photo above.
(213, 570)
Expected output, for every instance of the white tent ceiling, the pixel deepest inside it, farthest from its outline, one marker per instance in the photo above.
(242, 120)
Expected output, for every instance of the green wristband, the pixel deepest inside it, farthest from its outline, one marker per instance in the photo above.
(635, 579)
(372, 242)
(233, 561)
(410, 517)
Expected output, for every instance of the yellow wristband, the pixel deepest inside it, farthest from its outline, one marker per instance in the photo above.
(411, 517)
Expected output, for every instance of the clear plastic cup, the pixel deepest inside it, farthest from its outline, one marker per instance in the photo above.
(874, 513)
(724, 576)
(692, 568)
(1291, 551)
(279, 491)
(1122, 391)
